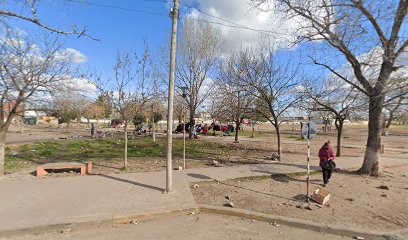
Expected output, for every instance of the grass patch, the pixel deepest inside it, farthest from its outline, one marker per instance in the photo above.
(249, 133)
(295, 137)
(108, 150)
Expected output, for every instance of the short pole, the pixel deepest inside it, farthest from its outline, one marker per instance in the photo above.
(308, 162)
(184, 134)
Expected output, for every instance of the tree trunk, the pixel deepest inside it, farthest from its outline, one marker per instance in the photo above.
(190, 132)
(21, 124)
(237, 124)
(253, 129)
(154, 132)
(371, 162)
(339, 128)
(386, 124)
(2, 151)
(125, 165)
(279, 141)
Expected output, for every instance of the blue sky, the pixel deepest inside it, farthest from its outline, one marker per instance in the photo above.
(120, 29)
(116, 29)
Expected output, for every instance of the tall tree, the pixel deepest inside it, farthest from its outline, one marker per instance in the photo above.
(198, 51)
(130, 90)
(336, 98)
(29, 70)
(353, 27)
(234, 103)
(273, 85)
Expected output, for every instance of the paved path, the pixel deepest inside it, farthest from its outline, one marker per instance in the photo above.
(33, 203)
(39, 202)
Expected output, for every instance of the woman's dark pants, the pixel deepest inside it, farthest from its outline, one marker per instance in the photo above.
(326, 175)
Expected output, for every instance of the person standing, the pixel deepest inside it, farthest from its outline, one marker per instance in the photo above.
(327, 163)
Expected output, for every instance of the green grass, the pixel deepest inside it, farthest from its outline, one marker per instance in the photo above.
(108, 150)
(295, 137)
(248, 133)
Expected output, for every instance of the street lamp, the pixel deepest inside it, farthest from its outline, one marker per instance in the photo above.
(184, 95)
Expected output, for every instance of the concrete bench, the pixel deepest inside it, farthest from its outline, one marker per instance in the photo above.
(83, 167)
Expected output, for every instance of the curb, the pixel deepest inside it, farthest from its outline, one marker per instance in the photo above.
(203, 208)
(95, 223)
(300, 223)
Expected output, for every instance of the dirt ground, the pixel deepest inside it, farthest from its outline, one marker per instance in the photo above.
(356, 201)
(265, 143)
(197, 227)
(247, 151)
(33, 134)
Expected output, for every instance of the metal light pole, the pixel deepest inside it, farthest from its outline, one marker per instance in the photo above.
(184, 95)
(169, 177)
(308, 161)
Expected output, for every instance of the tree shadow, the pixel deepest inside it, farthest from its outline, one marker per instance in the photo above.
(301, 166)
(198, 176)
(132, 182)
(259, 192)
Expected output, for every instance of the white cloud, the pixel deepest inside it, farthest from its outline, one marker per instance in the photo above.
(82, 85)
(277, 29)
(74, 56)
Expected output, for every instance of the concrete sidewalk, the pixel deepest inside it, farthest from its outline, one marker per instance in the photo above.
(32, 203)
(40, 202)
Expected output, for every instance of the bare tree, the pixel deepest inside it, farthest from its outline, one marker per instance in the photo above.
(93, 110)
(272, 84)
(234, 103)
(352, 27)
(29, 71)
(199, 47)
(29, 13)
(130, 89)
(395, 100)
(67, 108)
(336, 98)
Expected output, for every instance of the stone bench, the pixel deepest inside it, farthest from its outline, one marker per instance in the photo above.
(83, 167)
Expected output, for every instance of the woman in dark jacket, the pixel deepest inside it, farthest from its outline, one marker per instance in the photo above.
(326, 153)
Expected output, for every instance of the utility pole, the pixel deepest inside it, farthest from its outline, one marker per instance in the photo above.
(169, 177)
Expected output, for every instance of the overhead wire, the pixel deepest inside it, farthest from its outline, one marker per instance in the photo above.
(228, 23)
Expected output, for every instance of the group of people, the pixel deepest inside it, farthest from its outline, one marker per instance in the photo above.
(204, 129)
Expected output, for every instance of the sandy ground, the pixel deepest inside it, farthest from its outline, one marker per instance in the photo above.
(33, 134)
(202, 226)
(356, 201)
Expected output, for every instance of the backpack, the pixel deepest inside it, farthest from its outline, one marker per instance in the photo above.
(329, 165)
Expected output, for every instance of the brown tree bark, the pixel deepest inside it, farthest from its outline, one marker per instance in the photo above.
(2, 151)
(237, 124)
(279, 141)
(339, 127)
(386, 124)
(192, 122)
(372, 154)
(125, 165)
